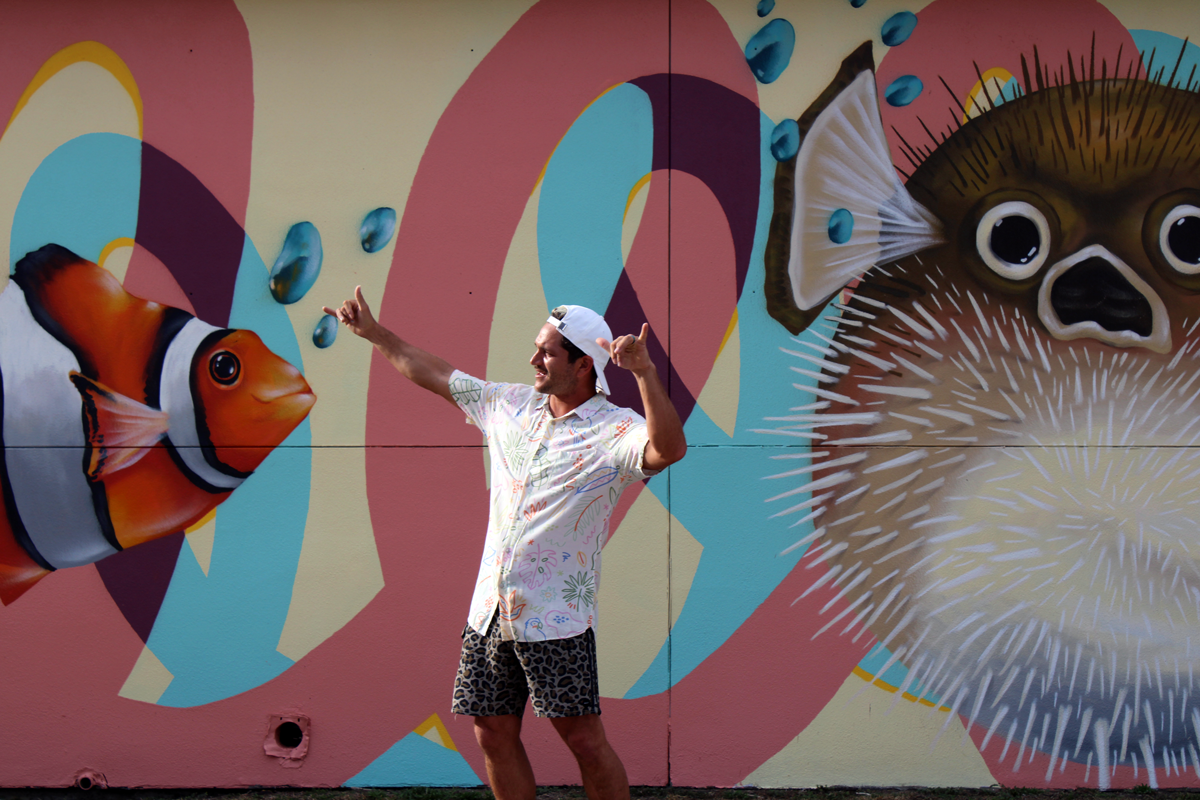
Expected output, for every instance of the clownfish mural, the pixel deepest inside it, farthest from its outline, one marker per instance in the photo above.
(123, 420)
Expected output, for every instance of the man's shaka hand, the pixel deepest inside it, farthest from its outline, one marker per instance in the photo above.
(630, 352)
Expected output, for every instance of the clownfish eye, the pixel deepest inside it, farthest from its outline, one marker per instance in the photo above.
(225, 368)
(1179, 239)
(1013, 239)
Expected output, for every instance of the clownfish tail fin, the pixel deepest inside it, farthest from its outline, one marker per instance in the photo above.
(119, 430)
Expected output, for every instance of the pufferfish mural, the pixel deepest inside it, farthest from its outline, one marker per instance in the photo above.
(1003, 401)
(123, 420)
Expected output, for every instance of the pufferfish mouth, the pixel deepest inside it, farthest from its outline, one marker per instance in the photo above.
(1094, 294)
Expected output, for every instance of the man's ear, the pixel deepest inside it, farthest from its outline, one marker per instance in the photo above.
(584, 365)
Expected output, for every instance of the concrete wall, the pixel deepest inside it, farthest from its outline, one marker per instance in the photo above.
(937, 522)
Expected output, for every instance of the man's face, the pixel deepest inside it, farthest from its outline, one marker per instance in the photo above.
(553, 373)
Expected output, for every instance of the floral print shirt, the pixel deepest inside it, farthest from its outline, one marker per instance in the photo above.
(555, 483)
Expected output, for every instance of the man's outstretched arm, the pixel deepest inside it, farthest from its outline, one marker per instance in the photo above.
(421, 367)
(667, 442)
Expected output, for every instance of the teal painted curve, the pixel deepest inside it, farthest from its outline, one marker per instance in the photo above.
(82, 196)
(584, 191)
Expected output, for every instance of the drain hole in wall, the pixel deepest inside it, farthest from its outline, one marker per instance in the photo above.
(289, 735)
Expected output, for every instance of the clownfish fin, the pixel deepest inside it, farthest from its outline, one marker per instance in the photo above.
(119, 430)
(16, 581)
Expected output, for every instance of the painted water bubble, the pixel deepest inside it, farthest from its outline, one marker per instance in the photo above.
(765, 7)
(377, 229)
(858, 3)
(903, 90)
(785, 140)
(770, 50)
(841, 225)
(298, 265)
(898, 28)
(326, 331)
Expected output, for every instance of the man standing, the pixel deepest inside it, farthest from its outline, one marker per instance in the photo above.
(561, 455)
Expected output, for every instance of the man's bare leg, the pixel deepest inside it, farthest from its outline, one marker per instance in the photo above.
(603, 773)
(508, 769)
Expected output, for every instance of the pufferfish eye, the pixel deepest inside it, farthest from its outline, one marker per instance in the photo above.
(1013, 239)
(1179, 239)
(225, 368)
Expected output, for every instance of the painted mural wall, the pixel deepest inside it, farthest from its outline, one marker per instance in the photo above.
(923, 280)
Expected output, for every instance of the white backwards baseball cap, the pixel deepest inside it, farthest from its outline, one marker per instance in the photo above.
(583, 327)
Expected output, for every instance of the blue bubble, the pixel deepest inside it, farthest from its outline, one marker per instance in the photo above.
(326, 331)
(858, 3)
(377, 229)
(770, 50)
(765, 7)
(785, 140)
(898, 28)
(903, 90)
(298, 265)
(841, 225)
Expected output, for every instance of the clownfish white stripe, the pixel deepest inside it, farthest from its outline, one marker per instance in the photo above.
(175, 397)
(42, 455)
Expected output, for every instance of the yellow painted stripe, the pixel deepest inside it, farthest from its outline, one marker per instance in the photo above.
(93, 52)
(633, 193)
(882, 684)
(728, 331)
(115, 244)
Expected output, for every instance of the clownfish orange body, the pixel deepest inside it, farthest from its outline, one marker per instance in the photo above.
(123, 420)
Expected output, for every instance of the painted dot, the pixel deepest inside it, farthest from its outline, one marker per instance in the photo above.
(377, 229)
(765, 7)
(326, 331)
(858, 3)
(770, 50)
(785, 140)
(841, 225)
(298, 265)
(898, 28)
(903, 90)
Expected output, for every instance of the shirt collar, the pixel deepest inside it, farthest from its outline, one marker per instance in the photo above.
(585, 410)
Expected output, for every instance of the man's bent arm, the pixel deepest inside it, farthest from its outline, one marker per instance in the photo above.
(667, 442)
(419, 366)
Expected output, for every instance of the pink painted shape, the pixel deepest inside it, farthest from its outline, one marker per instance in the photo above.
(149, 278)
(699, 285)
(703, 286)
(192, 65)
(647, 265)
(953, 35)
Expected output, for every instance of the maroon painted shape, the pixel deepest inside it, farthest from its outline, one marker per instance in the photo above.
(711, 132)
(199, 241)
(625, 313)
(187, 228)
(137, 579)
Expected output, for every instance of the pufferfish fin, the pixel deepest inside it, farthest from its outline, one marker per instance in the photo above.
(840, 208)
(119, 430)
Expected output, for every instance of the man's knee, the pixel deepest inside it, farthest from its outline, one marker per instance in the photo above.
(497, 733)
(583, 735)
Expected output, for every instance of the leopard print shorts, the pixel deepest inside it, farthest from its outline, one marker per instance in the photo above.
(495, 676)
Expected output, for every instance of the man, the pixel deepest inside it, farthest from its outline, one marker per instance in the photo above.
(561, 454)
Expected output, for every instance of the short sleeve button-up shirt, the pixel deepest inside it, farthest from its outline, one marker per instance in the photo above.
(554, 485)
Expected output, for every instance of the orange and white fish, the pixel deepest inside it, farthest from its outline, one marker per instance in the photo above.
(122, 420)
